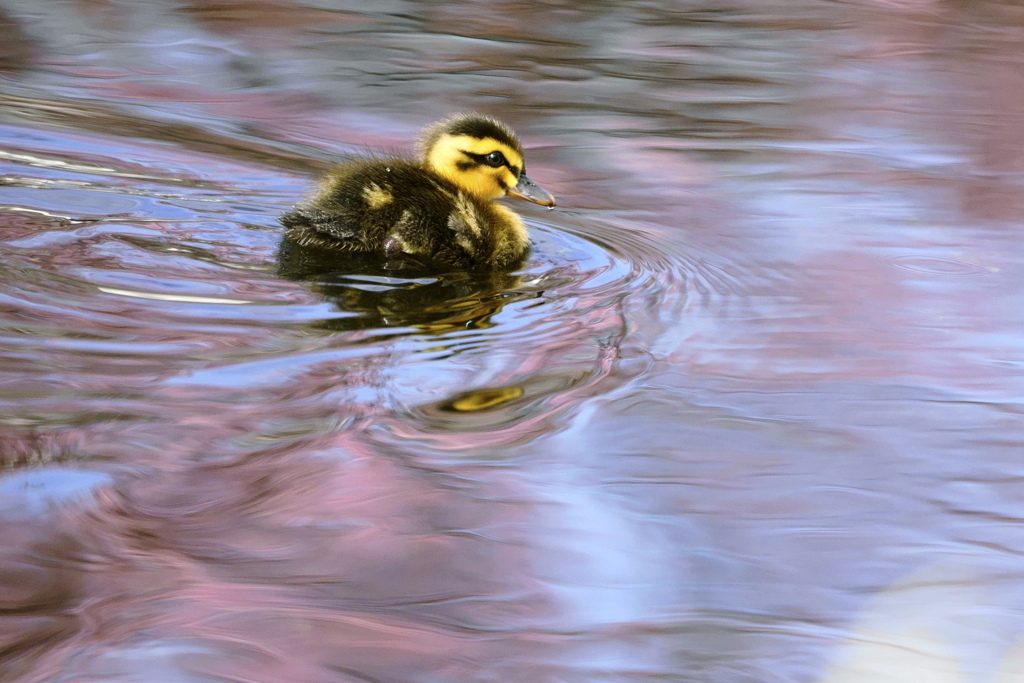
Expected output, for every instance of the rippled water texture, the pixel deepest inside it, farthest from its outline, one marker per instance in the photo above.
(751, 412)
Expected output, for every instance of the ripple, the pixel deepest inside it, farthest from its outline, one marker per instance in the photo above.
(189, 299)
(182, 298)
(936, 265)
(592, 294)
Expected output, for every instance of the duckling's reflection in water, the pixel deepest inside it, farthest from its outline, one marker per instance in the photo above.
(392, 291)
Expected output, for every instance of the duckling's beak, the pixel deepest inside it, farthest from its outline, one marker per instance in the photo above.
(531, 192)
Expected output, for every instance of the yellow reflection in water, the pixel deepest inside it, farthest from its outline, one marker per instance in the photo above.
(484, 399)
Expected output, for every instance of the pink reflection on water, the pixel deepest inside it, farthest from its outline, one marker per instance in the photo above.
(278, 566)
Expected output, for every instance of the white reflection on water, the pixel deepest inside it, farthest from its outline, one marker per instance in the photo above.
(183, 298)
(941, 624)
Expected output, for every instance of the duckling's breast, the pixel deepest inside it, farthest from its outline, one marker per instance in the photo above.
(511, 240)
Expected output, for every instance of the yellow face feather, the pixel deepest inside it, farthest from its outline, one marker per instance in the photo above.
(452, 156)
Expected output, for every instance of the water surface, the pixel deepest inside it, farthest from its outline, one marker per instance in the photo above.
(751, 411)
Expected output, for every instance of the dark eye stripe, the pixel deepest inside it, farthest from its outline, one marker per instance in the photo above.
(481, 159)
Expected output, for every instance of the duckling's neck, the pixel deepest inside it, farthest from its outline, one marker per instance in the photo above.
(478, 191)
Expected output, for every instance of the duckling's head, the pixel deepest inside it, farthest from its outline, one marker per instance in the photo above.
(482, 156)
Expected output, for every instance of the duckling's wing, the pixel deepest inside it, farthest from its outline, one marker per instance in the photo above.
(330, 222)
(313, 225)
(352, 208)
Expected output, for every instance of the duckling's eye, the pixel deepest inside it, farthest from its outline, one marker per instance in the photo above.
(495, 159)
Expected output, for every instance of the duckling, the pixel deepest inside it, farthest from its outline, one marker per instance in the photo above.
(438, 207)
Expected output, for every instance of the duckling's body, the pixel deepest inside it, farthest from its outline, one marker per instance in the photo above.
(439, 207)
(399, 206)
